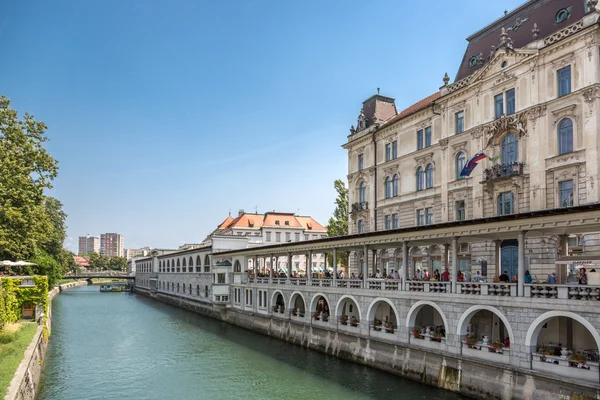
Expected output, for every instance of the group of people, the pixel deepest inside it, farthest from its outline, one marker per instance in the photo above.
(445, 276)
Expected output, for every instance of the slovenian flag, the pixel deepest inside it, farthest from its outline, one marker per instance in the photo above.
(468, 168)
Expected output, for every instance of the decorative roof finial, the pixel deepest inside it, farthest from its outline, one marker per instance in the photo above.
(592, 4)
(505, 41)
(505, 12)
(446, 79)
(503, 36)
(536, 30)
(377, 90)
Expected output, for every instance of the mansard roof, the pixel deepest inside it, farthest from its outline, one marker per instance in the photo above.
(519, 25)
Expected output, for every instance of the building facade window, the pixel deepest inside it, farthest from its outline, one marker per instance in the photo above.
(510, 149)
(420, 179)
(361, 162)
(288, 237)
(395, 185)
(423, 138)
(429, 176)
(506, 203)
(564, 81)
(565, 136)
(388, 222)
(388, 187)
(278, 236)
(362, 193)
(429, 216)
(268, 238)
(428, 136)
(461, 159)
(459, 122)
(420, 139)
(361, 226)
(395, 221)
(511, 105)
(420, 217)
(388, 152)
(297, 237)
(566, 193)
(394, 149)
(459, 207)
(305, 237)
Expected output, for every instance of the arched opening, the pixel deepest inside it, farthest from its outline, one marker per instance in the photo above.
(298, 305)
(383, 316)
(206, 263)
(278, 302)
(429, 176)
(237, 267)
(486, 329)
(427, 322)
(347, 311)
(198, 265)
(564, 343)
(168, 266)
(510, 149)
(320, 308)
(178, 265)
(184, 266)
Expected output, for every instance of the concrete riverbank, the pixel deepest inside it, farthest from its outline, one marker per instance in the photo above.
(25, 382)
(461, 374)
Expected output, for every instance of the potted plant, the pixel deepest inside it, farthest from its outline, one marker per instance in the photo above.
(281, 309)
(389, 328)
(354, 321)
(316, 316)
(275, 308)
(578, 358)
(325, 316)
(377, 325)
(417, 332)
(437, 335)
(497, 345)
(344, 320)
(470, 341)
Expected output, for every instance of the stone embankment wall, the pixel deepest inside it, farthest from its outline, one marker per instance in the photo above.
(474, 378)
(25, 382)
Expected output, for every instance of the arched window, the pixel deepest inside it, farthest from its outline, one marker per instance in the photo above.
(461, 160)
(420, 179)
(206, 263)
(429, 176)
(565, 136)
(198, 263)
(395, 185)
(178, 263)
(362, 193)
(388, 187)
(184, 263)
(168, 266)
(191, 264)
(510, 149)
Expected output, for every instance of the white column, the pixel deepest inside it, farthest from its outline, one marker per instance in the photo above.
(365, 268)
(521, 271)
(404, 275)
(335, 270)
(271, 269)
(309, 267)
(289, 269)
(454, 263)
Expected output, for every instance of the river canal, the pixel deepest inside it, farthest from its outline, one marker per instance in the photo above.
(124, 346)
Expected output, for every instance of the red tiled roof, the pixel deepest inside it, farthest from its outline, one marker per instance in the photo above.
(271, 218)
(247, 221)
(81, 261)
(226, 223)
(309, 223)
(418, 106)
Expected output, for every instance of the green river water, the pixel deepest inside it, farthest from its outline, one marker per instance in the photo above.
(125, 346)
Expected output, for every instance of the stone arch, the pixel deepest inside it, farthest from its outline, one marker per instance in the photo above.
(373, 309)
(275, 298)
(535, 327)
(471, 311)
(411, 316)
(294, 301)
(339, 308)
(316, 298)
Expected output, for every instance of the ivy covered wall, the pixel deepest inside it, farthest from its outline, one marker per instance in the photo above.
(13, 295)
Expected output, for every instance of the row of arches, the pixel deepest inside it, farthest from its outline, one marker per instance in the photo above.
(182, 288)
(183, 264)
(477, 320)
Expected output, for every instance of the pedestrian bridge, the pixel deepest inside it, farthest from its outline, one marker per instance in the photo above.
(98, 275)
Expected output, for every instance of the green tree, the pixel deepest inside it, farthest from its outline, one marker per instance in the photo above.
(46, 265)
(338, 223)
(27, 169)
(118, 263)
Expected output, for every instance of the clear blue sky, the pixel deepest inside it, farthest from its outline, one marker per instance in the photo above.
(164, 115)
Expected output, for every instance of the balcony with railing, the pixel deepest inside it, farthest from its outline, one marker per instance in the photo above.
(502, 171)
(360, 206)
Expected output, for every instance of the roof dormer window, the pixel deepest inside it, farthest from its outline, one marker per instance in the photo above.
(562, 15)
(472, 62)
(277, 222)
(287, 223)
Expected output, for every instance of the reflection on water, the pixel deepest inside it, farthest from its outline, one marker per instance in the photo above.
(124, 346)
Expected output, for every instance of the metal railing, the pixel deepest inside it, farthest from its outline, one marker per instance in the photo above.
(500, 171)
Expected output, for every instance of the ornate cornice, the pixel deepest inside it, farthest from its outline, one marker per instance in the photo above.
(590, 95)
(564, 112)
(424, 159)
(535, 113)
(515, 122)
(444, 143)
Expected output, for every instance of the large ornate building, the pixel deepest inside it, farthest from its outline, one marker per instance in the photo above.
(525, 95)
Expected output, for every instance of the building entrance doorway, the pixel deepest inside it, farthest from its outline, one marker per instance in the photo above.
(509, 258)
